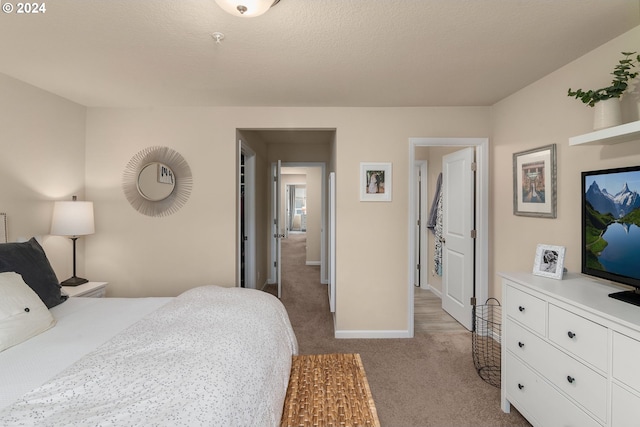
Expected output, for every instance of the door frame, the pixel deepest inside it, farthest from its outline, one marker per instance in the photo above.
(323, 227)
(289, 187)
(249, 217)
(420, 247)
(332, 245)
(482, 214)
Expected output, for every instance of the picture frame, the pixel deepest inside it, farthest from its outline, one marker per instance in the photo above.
(549, 261)
(375, 182)
(535, 182)
(165, 174)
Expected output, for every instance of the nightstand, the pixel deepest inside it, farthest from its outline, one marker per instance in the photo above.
(87, 290)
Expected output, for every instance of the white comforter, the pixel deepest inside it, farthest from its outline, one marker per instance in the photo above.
(212, 357)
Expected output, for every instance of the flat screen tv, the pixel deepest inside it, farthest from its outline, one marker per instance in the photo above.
(611, 228)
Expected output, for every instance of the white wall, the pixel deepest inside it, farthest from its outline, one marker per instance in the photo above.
(43, 159)
(543, 114)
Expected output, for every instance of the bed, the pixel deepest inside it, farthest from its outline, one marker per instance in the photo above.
(211, 356)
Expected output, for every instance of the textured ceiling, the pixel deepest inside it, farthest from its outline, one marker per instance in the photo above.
(303, 52)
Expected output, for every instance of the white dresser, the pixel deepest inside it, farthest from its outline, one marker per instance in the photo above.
(570, 354)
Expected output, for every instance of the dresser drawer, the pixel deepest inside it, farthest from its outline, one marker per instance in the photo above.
(625, 410)
(579, 336)
(527, 346)
(578, 381)
(626, 352)
(532, 395)
(581, 383)
(526, 309)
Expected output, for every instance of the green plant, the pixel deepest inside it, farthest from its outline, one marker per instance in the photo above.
(622, 74)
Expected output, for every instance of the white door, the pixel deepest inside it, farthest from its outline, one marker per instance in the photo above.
(277, 231)
(458, 221)
(332, 242)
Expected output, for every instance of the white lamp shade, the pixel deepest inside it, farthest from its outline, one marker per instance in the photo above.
(72, 218)
(254, 7)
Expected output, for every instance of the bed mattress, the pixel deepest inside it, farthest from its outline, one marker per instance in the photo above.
(211, 356)
(83, 324)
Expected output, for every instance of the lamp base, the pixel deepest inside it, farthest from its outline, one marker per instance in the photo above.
(73, 281)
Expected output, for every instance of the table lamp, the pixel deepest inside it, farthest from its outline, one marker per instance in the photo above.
(72, 219)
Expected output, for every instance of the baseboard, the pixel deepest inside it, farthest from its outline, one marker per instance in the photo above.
(312, 263)
(371, 334)
(434, 290)
(264, 285)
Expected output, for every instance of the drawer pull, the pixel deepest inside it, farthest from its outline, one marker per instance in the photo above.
(520, 344)
(570, 379)
(520, 386)
(571, 334)
(521, 308)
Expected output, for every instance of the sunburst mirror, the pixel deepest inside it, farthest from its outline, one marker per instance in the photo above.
(157, 181)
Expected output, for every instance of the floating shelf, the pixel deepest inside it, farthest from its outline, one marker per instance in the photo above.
(612, 135)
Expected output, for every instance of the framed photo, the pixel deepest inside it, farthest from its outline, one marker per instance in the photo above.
(534, 182)
(375, 182)
(549, 261)
(165, 174)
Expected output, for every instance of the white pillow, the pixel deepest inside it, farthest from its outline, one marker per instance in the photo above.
(22, 313)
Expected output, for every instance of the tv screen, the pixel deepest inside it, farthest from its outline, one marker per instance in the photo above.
(611, 227)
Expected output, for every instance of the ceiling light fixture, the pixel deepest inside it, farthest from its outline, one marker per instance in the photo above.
(246, 8)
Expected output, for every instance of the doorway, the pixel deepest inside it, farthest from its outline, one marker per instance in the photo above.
(307, 211)
(481, 263)
(263, 147)
(246, 217)
(296, 210)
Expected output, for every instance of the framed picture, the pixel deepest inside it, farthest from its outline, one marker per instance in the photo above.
(375, 182)
(165, 175)
(549, 261)
(534, 182)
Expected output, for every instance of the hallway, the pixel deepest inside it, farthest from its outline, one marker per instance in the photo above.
(304, 296)
(429, 380)
(301, 288)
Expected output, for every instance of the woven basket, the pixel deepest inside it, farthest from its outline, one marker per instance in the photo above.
(328, 390)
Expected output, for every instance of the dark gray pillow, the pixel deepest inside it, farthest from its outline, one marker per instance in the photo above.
(29, 260)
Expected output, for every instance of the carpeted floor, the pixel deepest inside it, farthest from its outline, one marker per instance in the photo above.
(428, 380)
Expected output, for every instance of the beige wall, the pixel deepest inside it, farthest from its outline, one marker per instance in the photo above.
(543, 114)
(43, 154)
(143, 256)
(314, 214)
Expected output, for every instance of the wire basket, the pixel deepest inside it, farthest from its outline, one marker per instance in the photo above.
(485, 340)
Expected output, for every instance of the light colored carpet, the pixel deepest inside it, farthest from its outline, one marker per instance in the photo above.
(428, 380)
